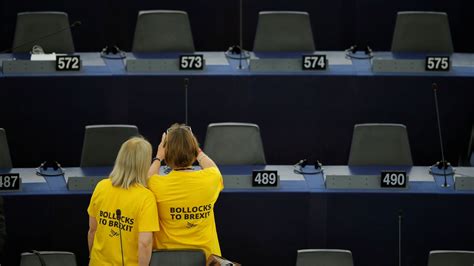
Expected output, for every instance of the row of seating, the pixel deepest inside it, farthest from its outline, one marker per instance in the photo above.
(305, 257)
(277, 31)
(241, 144)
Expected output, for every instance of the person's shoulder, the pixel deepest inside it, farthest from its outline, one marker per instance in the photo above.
(153, 181)
(211, 171)
(103, 184)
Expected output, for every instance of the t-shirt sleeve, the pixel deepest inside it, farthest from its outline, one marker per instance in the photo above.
(215, 171)
(148, 217)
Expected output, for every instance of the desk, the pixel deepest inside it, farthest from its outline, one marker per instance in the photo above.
(258, 227)
(301, 114)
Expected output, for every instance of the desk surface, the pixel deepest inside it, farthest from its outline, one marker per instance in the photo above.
(253, 223)
(420, 180)
(217, 63)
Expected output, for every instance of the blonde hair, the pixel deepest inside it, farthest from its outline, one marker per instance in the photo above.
(181, 147)
(132, 163)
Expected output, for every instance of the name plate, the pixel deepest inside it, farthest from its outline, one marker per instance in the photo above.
(191, 62)
(315, 62)
(264, 178)
(437, 63)
(68, 63)
(83, 182)
(10, 182)
(393, 179)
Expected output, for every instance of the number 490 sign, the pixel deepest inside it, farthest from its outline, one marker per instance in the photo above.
(393, 179)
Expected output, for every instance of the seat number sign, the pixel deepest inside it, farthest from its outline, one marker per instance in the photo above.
(10, 182)
(264, 178)
(393, 179)
(68, 63)
(437, 63)
(191, 62)
(315, 62)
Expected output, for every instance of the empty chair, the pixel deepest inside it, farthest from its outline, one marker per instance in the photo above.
(380, 144)
(5, 160)
(324, 257)
(178, 257)
(234, 144)
(451, 258)
(49, 258)
(422, 32)
(102, 143)
(163, 31)
(283, 31)
(33, 27)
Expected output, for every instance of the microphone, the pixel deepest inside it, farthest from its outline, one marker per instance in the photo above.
(443, 164)
(118, 212)
(400, 218)
(186, 84)
(74, 24)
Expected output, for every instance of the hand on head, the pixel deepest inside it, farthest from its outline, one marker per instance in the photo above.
(160, 154)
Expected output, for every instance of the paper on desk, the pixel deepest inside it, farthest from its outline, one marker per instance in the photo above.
(285, 172)
(216, 59)
(28, 175)
(337, 58)
(43, 57)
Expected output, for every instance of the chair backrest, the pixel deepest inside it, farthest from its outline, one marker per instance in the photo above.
(380, 144)
(162, 31)
(102, 143)
(283, 31)
(50, 258)
(178, 257)
(451, 258)
(467, 159)
(324, 257)
(5, 159)
(422, 32)
(234, 144)
(31, 26)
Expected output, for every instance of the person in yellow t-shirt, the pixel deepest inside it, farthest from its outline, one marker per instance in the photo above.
(185, 197)
(122, 211)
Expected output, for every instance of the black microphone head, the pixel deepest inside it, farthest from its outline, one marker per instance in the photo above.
(186, 81)
(434, 86)
(119, 213)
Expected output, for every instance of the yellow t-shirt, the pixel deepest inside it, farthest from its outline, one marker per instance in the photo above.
(139, 214)
(186, 207)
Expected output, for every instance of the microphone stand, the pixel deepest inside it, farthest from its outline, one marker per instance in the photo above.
(444, 164)
(76, 23)
(186, 84)
(119, 216)
(240, 33)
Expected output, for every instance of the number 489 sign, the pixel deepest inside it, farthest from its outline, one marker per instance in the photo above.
(264, 178)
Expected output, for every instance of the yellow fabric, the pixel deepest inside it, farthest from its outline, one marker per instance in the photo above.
(186, 206)
(139, 214)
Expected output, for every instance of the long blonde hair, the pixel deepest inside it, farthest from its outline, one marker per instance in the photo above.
(132, 163)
